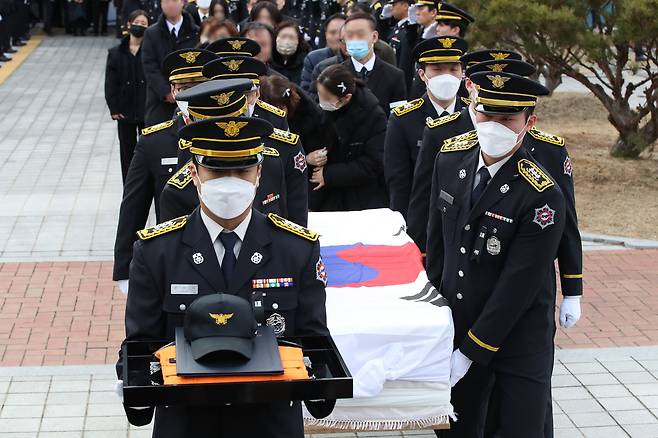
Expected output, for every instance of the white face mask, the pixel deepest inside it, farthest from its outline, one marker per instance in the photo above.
(182, 106)
(203, 4)
(285, 47)
(328, 106)
(227, 197)
(496, 140)
(444, 87)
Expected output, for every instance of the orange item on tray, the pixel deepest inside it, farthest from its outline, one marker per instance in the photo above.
(292, 360)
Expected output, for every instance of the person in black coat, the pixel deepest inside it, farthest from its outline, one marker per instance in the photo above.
(125, 87)
(385, 81)
(349, 172)
(289, 52)
(151, 7)
(174, 30)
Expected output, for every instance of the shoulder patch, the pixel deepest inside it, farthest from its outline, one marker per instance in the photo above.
(466, 100)
(184, 144)
(408, 107)
(545, 136)
(284, 136)
(292, 227)
(271, 152)
(534, 175)
(181, 178)
(433, 123)
(271, 108)
(461, 142)
(163, 228)
(159, 127)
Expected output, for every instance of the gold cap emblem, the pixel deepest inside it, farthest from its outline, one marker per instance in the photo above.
(447, 42)
(498, 81)
(497, 67)
(221, 318)
(222, 99)
(232, 128)
(190, 57)
(499, 56)
(233, 64)
(236, 44)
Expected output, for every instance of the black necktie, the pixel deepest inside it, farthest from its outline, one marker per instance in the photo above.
(173, 32)
(228, 262)
(204, 18)
(364, 73)
(444, 113)
(485, 177)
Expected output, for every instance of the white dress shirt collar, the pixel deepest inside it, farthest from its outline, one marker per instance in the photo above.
(368, 65)
(494, 168)
(176, 26)
(439, 109)
(214, 229)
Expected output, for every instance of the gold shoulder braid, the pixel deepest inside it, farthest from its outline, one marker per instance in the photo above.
(466, 100)
(545, 136)
(462, 142)
(292, 227)
(271, 108)
(163, 228)
(184, 144)
(408, 107)
(271, 152)
(182, 177)
(433, 123)
(534, 175)
(159, 127)
(284, 136)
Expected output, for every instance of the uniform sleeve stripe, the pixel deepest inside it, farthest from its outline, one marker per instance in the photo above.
(570, 276)
(480, 343)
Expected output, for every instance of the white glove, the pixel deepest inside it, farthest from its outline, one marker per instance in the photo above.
(569, 311)
(118, 388)
(123, 286)
(459, 366)
(387, 11)
(412, 14)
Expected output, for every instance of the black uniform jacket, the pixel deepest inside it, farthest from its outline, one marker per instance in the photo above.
(180, 255)
(552, 154)
(494, 261)
(154, 162)
(125, 87)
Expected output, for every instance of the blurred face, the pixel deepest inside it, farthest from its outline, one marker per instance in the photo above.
(201, 174)
(264, 17)
(218, 11)
(140, 20)
(264, 40)
(400, 10)
(177, 88)
(431, 70)
(327, 96)
(359, 33)
(280, 4)
(252, 96)
(443, 29)
(287, 35)
(332, 33)
(515, 122)
(222, 32)
(424, 15)
(250, 4)
(172, 9)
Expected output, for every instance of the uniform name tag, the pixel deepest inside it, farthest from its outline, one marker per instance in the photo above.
(184, 289)
(169, 161)
(446, 197)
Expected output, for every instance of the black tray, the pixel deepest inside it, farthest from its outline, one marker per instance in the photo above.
(335, 383)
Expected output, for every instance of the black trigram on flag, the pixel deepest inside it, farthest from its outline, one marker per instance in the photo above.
(428, 294)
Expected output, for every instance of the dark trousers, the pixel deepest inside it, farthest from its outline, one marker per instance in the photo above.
(491, 403)
(99, 16)
(128, 132)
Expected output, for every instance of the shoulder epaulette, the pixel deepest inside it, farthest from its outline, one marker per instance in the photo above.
(163, 228)
(182, 177)
(377, 6)
(284, 136)
(271, 108)
(534, 175)
(433, 123)
(292, 227)
(466, 100)
(545, 136)
(159, 127)
(461, 142)
(408, 107)
(184, 144)
(271, 152)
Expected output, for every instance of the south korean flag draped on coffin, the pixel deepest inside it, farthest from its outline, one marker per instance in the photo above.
(392, 327)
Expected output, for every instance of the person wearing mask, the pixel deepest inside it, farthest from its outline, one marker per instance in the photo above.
(214, 29)
(262, 34)
(332, 28)
(155, 160)
(213, 250)
(398, 38)
(151, 7)
(290, 48)
(385, 81)
(199, 10)
(441, 71)
(174, 30)
(125, 87)
(348, 173)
